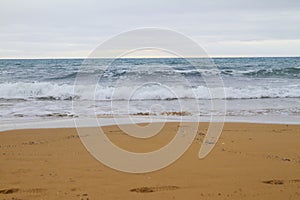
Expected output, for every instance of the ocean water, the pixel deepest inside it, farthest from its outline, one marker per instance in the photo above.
(255, 88)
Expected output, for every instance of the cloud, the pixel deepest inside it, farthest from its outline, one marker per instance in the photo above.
(49, 28)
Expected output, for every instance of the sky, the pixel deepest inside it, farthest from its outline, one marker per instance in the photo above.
(73, 28)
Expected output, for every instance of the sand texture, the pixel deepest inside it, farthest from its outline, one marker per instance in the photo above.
(250, 161)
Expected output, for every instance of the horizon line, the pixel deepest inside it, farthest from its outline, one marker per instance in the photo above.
(248, 56)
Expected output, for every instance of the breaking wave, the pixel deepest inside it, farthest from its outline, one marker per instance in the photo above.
(51, 91)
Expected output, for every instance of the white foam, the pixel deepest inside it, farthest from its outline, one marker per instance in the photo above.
(65, 91)
(84, 122)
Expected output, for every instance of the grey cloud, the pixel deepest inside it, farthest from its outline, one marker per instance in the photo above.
(86, 23)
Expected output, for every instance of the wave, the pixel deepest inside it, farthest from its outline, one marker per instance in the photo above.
(276, 73)
(37, 90)
(290, 72)
(68, 76)
(51, 91)
(131, 72)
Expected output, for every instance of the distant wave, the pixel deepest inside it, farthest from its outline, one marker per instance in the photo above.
(68, 76)
(290, 72)
(51, 91)
(276, 73)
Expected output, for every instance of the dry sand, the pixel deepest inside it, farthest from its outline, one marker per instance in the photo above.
(250, 161)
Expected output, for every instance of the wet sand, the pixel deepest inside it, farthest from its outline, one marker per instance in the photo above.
(250, 161)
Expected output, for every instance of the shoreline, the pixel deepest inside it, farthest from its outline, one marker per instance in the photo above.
(110, 121)
(250, 161)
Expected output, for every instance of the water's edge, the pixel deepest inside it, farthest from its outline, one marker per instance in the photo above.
(92, 122)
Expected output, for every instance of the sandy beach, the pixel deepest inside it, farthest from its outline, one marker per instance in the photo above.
(250, 161)
(126, 100)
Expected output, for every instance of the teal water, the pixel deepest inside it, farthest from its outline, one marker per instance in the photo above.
(44, 88)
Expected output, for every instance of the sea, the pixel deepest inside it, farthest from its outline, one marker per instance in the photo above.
(262, 89)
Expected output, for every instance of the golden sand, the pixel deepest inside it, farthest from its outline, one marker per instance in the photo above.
(250, 161)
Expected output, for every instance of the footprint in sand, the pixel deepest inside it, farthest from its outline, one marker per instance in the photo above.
(281, 182)
(84, 196)
(9, 191)
(154, 189)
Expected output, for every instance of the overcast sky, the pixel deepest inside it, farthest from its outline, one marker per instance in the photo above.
(73, 28)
